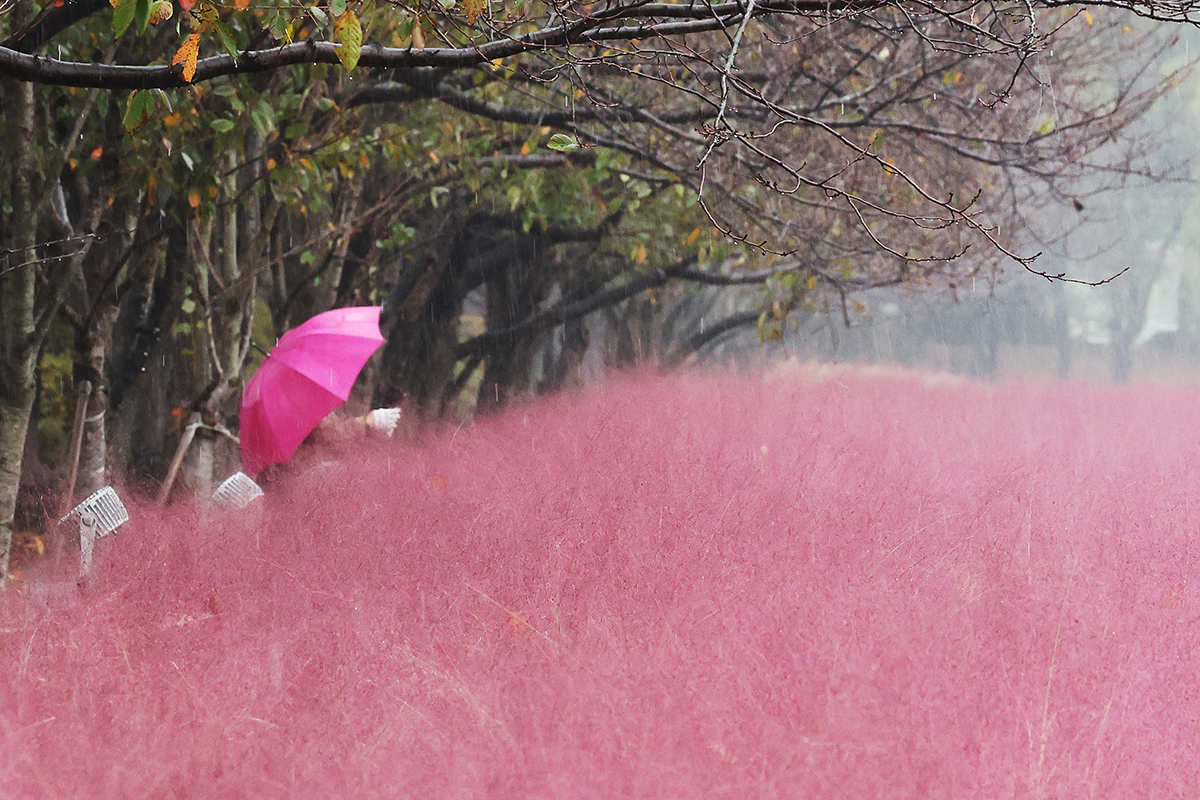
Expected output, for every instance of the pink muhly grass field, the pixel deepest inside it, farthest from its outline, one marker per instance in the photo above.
(854, 587)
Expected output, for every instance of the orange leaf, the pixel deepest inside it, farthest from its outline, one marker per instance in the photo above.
(517, 623)
(241, 5)
(187, 54)
(474, 8)
(194, 197)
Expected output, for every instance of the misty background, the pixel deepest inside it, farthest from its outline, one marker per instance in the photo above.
(1128, 310)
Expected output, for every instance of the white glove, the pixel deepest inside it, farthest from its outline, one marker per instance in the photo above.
(384, 419)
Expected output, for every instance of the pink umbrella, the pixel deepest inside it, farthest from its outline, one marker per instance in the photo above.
(308, 374)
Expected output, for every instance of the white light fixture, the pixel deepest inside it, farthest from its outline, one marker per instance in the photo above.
(237, 492)
(97, 516)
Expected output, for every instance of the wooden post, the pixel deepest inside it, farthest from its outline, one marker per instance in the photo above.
(185, 442)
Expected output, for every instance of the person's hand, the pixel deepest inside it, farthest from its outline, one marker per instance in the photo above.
(384, 419)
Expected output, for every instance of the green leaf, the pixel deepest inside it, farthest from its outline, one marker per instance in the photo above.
(141, 13)
(138, 110)
(563, 143)
(348, 33)
(123, 15)
(222, 125)
(227, 40)
(337, 8)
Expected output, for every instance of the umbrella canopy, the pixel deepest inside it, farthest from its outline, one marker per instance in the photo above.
(308, 374)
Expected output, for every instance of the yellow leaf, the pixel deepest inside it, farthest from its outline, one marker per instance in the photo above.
(641, 255)
(209, 13)
(1088, 18)
(693, 236)
(187, 54)
(348, 33)
(171, 120)
(811, 283)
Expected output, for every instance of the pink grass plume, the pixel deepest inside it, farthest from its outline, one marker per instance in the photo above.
(827, 586)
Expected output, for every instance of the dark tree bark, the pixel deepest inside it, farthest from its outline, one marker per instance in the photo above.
(19, 340)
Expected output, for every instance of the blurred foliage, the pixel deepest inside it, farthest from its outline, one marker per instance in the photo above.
(57, 406)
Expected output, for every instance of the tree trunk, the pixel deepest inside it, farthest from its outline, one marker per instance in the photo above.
(93, 458)
(1060, 327)
(513, 295)
(18, 278)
